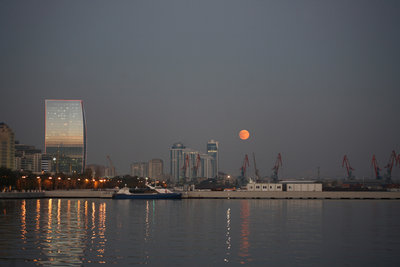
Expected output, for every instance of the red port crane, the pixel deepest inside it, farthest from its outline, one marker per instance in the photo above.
(374, 164)
(389, 166)
(255, 167)
(349, 169)
(185, 166)
(197, 166)
(275, 169)
(244, 166)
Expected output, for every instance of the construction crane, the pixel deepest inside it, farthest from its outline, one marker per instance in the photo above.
(112, 168)
(374, 164)
(275, 169)
(255, 168)
(389, 167)
(349, 169)
(197, 166)
(185, 167)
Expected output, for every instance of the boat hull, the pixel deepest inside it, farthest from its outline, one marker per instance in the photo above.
(148, 196)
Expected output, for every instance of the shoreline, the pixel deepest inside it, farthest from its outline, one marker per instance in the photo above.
(88, 193)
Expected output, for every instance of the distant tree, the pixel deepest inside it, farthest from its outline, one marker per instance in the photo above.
(8, 178)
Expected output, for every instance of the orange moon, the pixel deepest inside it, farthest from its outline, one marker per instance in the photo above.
(244, 134)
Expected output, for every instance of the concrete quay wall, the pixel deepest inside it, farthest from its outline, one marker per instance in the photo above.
(77, 193)
(21, 195)
(290, 195)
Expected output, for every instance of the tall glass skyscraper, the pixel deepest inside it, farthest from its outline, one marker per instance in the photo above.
(177, 159)
(212, 150)
(65, 137)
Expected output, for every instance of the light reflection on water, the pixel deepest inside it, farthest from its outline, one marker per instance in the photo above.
(245, 232)
(76, 232)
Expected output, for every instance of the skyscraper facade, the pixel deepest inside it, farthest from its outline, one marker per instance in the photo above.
(156, 168)
(7, 147)
(212, 150)
(65, 137)
(207, 166)
(176, 157)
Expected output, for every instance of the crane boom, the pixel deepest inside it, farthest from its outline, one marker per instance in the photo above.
(196, 166)
(348, 167)
(374, 163)
(184, 168)
(275, 169)
(244, 166)
(255, 167)
(389, 166)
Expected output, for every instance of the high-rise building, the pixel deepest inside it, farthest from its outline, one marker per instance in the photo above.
(207, 166)
(177, 160)
(139, 169)
(156, 168)
(7, 147)
(212, 150)
(65, 137)
(28, 158)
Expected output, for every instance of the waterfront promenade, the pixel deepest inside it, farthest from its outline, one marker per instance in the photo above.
(87, 193)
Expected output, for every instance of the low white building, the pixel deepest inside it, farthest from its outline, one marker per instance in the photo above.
(304, 187)
(298, 187)
(264, 187)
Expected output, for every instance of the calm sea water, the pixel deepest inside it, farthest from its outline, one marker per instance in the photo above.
(91, 232)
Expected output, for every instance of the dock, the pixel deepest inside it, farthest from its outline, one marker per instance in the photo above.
(291, 195)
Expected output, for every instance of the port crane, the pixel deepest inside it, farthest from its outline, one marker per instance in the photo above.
(374, 164)
(255, 168)
(389, 166)
(112, 168)
(275, 169)
(185, 166)
(196, 166)
(243, 168)
(349, 169)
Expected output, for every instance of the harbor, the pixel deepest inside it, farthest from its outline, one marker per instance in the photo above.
(87, 193)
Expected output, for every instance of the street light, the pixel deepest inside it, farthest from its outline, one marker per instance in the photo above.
(38, 179)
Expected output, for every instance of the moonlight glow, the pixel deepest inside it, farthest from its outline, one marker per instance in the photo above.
(244, 134)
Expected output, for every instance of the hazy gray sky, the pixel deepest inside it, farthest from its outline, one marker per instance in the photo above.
(313, 80)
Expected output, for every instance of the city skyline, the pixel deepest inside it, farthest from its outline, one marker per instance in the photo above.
(313, 81)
